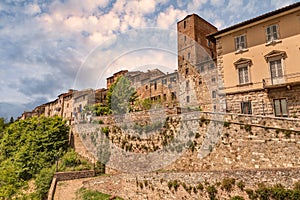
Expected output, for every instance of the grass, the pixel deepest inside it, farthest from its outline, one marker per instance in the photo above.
(85, 194)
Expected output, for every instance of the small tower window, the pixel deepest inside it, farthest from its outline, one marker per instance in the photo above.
(184, 24)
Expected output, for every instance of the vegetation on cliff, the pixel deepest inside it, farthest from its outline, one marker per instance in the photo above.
(28, 150)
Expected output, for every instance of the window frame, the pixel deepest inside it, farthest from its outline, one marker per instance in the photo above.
(214, 94)
(272, 33)
(188, 99)
(242, 66)
(246, 104)
(281, 107)
(237, 44)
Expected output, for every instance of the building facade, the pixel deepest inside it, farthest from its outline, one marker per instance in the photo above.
(258, 61)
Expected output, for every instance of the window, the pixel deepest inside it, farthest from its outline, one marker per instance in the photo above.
(155, 86)
(208, 43)
(240, 42)
(185, 38)
(188, 99)
(164, 81)
(213, 94)
(243, 74)
(173, 95)
(187, 85)
(67, 105)
(184, 24)
(211, 65)
(275, 60)
(202, 68)
(280, 107)
(272, 33)
(189, 56)
(165, 97)
(173, 79)
(213, 79)
(276, 69)
(186, 71)
(146, 87)
(246, 107)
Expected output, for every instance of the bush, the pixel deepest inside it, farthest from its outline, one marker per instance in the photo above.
(70, 159)
(105, 130)
(43, 182)
(200, 186)
(241, 185)
(227, 184)
(212, 192)
(227, 124)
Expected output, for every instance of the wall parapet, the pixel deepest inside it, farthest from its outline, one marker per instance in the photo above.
(65, 176)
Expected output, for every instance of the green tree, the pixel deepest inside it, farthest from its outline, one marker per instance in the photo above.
(121, 95)
(27, 147)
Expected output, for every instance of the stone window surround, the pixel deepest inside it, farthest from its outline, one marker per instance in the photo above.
(276, 55)
(244, 62)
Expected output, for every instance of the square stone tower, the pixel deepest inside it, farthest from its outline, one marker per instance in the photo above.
(193, 46)
(197, 69)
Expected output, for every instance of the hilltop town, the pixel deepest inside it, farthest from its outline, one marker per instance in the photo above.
(234, 99)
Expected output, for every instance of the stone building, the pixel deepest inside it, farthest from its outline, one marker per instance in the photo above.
(81, 99)
(114, 77)
(141, 79)
(258, 61)
(163, 89)
(198, 75)
(100, 96)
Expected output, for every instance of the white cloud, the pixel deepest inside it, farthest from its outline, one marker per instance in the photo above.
(32, 9)
(279, 3)
(170, 17)
(196, 4)
(54, 37)
(217, 3)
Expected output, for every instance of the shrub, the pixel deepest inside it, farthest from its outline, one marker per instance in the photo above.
(212, 192)
(227, 124)
(105, 130)
(227, 184)
(43, 182)
(248, 128)
(70, 159)
(200, 186)
(241, 185)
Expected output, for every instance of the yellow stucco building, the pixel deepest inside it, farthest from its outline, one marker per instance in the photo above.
(259, 62)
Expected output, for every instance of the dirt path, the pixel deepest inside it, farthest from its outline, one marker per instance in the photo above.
(66, 190)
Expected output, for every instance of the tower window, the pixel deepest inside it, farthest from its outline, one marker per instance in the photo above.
(184, 24)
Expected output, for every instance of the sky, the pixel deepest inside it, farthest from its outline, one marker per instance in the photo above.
(50, 46)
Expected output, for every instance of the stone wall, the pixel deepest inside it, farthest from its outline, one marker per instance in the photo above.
(212, 141)
(161, 185)
(245, 142)
(65, 176)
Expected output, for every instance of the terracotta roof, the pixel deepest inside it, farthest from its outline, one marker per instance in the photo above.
(261, 17)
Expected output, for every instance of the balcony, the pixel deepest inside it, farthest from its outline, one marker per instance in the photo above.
(284, 81)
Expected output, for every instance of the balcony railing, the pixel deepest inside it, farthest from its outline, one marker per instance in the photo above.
(285, 80)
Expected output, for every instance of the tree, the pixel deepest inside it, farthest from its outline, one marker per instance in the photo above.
(28, 146)
(11, 120)
(120, 96)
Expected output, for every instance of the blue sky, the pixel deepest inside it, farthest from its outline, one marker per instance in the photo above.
(49, 46)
